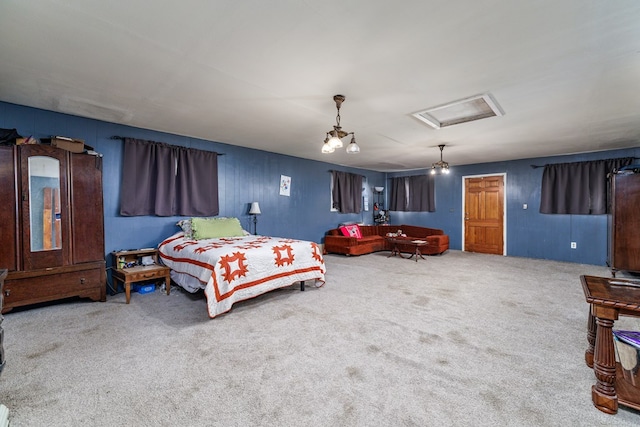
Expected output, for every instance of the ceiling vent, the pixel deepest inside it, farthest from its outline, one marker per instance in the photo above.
(465, 110)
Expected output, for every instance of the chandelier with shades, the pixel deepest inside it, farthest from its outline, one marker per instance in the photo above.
(442, 165)
(334, 137)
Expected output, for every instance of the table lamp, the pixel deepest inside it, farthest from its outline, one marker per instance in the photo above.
(255, 211)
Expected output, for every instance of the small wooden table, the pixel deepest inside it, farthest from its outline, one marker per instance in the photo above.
(138, 272)
(415, 246)
(609, 298)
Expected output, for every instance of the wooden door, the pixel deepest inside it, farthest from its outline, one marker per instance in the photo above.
(484, 215)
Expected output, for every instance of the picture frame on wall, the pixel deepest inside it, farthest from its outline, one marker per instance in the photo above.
(285, 185)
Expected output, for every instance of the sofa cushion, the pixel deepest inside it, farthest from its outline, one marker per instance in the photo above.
(416, 231)
(369, 239)
(351, 231)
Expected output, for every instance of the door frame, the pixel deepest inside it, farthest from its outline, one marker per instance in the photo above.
(504, 211)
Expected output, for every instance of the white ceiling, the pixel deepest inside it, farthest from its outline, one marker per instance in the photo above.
(262, 74)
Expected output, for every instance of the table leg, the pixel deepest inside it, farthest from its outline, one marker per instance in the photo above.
(591, 338)
(127, 290)
(603, 393)
(416, 253)
(167, 283)
(395, 252)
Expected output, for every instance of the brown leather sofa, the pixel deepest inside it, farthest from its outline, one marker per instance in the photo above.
(374, 239)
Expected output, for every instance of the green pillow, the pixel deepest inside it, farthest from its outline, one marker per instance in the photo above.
(209, 228)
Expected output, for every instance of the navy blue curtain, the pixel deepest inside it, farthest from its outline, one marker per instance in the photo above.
(421, 194)
(413, 194)
(165, 180)
(347, 192)
(398, 194)
(578, 188)
(196, 183)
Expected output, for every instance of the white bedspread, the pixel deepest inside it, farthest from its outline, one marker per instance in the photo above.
(238, 268)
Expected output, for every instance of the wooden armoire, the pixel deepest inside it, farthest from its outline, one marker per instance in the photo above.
(624, 221)
(51, 225)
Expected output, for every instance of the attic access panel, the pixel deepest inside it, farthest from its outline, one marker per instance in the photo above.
(465, 110)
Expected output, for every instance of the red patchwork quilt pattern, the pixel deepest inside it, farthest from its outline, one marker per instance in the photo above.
(238, 268)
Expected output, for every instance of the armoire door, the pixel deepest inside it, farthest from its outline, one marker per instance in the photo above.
(8, 214)
(44, 205)
(625, 244)
(87, 219)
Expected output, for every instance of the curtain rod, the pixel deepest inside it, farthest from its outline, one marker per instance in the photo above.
(333, 170)
(542, 166)
(122, 138)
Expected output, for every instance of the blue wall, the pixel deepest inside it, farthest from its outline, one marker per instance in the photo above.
(529, 233)
(247, 175)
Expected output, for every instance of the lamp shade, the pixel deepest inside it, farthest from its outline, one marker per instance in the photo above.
(335, 142)
(255, 209)
(353, 148)
(326, 148)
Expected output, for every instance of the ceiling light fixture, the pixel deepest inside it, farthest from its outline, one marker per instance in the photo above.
(442, 165)
(334, 137)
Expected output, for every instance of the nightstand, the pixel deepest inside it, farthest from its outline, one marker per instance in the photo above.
(140, 265)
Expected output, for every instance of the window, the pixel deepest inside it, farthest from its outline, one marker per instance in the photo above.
(412, 194)
(346, 192)
(578, 188)
(166, 180)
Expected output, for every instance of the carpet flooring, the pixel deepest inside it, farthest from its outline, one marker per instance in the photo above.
(459, 339)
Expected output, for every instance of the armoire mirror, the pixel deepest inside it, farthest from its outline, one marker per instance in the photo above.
(44, 203)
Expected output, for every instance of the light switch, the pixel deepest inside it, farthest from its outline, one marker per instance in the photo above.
(525, 206)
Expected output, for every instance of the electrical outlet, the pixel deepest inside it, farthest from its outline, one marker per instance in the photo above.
(573, 245)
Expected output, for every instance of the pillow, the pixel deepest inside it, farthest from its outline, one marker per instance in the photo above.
(209, 228)
(185, 225)
(351, 231)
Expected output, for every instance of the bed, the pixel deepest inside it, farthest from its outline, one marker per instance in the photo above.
(232, 269)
